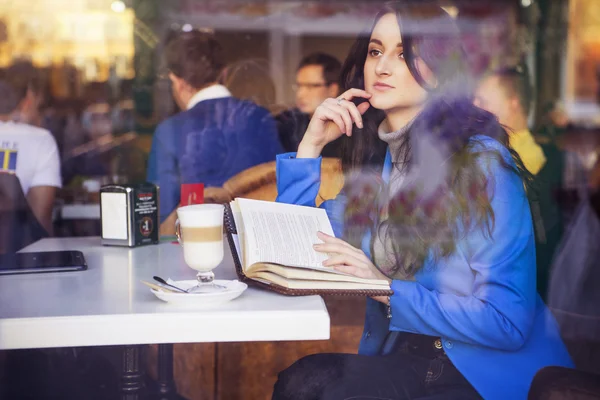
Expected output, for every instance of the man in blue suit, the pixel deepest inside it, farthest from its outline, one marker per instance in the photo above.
(215, 136)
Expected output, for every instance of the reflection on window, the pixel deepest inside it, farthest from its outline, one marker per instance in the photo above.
(50, 33)
(582, 89)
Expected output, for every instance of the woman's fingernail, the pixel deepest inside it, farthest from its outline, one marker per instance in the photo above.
(359, 124)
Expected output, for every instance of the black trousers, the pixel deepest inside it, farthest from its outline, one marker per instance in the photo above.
(416, 369)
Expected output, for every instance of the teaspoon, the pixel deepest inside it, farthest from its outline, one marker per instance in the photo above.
(161, 280)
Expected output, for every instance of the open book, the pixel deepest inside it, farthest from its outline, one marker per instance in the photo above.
(273, 243)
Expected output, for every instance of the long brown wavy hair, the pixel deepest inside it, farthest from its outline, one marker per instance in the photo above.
(443, 198)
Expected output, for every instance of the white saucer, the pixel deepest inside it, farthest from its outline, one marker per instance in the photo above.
(201, 300)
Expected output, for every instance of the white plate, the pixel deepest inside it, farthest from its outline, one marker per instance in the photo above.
(201, 300)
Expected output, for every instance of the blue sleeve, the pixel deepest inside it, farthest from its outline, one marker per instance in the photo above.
(499, 310)
(163, 169)
(298, 182)
(298, 179)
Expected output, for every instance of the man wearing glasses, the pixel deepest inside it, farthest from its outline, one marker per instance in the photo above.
(316, 80)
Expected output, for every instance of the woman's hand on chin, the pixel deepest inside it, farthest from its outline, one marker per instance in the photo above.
(332, 119)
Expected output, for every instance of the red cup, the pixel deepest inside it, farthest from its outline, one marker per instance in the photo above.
(192, 193)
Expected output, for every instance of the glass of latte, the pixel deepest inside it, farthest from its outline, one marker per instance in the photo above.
(199, 230)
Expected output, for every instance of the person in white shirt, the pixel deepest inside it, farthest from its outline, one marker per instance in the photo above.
(31, 154)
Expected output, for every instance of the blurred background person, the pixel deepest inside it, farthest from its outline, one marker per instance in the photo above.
(37, 106)
(215, 136)
(251, 80)
(30, 153)
(506, 93)
(317, 78)
(107, 149)
(123, 112)
(24, 77)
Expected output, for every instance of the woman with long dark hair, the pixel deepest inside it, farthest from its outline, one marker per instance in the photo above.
(434, 201)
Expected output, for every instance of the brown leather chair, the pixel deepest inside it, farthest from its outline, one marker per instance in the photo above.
(216, 195)
(260, 182)
(19, 226)
(559, 383)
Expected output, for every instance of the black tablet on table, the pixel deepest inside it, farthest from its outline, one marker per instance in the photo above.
(44, 261)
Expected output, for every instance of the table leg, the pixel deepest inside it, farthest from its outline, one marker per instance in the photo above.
(166, 383)
(132, 376)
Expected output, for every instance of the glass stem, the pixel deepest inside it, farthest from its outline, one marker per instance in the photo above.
(205, 277)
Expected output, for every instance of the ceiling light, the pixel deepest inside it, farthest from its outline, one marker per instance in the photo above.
(451, 10)
(118, 6)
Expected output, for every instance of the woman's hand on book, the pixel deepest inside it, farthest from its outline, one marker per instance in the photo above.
(332, 119)
(350, 260)
(347, 258)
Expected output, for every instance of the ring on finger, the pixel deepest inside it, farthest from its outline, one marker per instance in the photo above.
(339, 101)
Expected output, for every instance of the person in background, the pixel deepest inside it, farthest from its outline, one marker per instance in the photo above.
(317, 78)
(25, 77)
(506, 93)
(89, 157)
(30, 153)
(215, 136)
(250, 79)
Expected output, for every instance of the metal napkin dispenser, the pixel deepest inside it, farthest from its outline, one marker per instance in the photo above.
(129, 214)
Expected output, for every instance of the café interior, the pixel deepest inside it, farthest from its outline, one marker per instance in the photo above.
(97, 70)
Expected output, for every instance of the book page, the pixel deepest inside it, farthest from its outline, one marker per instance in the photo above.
(318, 285)
(283, 233)
(310, 275)
(239, 227)
(236, 242)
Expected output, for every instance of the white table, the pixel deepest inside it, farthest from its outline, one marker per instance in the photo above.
(108, 305)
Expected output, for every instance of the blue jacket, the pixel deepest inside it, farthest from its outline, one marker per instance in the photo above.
(209, 143)
(481, 301)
